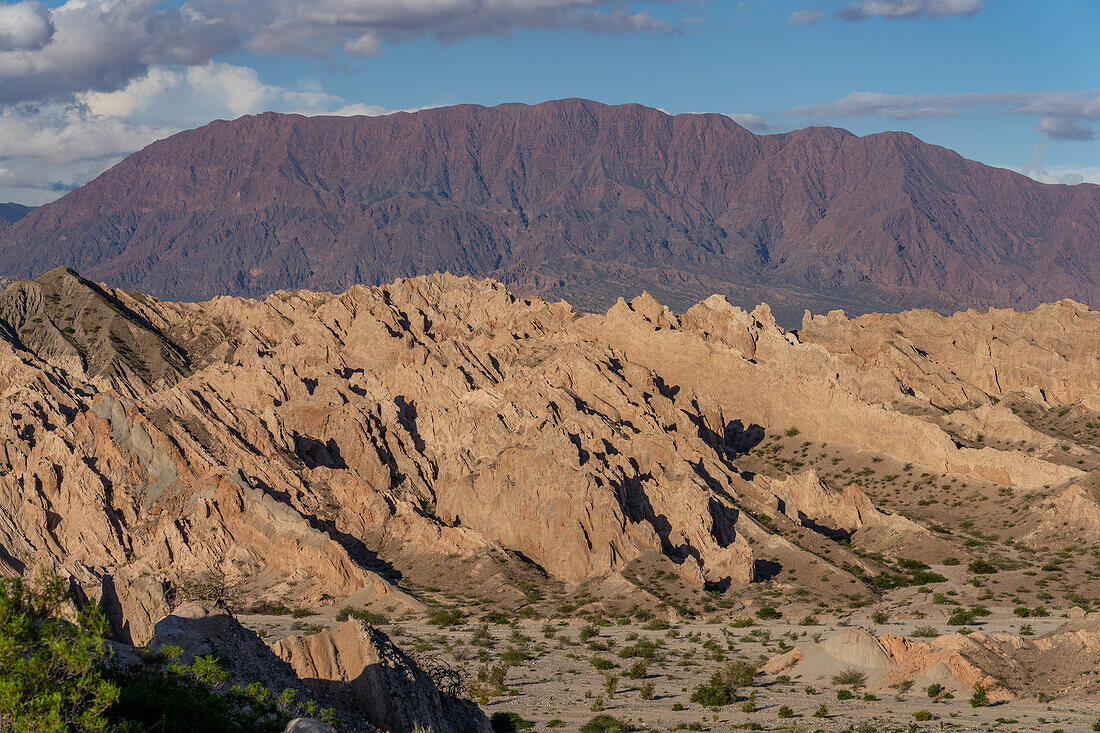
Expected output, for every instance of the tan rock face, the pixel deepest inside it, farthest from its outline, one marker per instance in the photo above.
(357, 669)
(1050, 352)
(292, 448)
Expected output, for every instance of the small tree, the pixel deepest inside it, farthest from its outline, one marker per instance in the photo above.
(980, 698)
(49, 678)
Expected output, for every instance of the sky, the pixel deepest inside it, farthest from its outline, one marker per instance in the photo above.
(1011, 83)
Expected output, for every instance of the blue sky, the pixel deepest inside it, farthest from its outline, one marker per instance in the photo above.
(1014, 83)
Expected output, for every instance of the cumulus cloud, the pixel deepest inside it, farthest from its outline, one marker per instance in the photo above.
(754, 123)
(24, 26)
(1066, 128)
(897, 9)
(101, 45)
(48, 148)
(1064, 115)
(810, 16)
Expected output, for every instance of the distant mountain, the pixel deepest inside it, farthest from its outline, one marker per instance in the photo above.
(10, 213)
(571, 198)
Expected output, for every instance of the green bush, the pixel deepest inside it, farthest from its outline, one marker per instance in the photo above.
(981, 567)
(50, 680)
(768, 612)
(447, 617)
(502, 722)
(55, 677)
(785, 712)
(606, 724)
(844, 695)
(850, 677)
(923, 715)
(715, 693)
(980, 698)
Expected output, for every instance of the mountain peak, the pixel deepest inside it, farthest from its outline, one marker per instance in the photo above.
(571, 198)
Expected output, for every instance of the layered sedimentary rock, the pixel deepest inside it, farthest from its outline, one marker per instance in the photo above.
(300, 446)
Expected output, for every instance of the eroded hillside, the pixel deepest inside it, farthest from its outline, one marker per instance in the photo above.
(438, 441)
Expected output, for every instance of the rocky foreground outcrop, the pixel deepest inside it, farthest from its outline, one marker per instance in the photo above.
(311, 447)
(354, 669)
(359, 671)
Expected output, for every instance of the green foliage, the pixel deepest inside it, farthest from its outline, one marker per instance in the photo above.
(785, 712)
(55, 677)
(768, 612)
(374, 619)
(850, 677)
(923, 715)
(844, 695)
(606, 724)
(502, 722)
(934, 690)
(49, 676)
(981, 567)
(643, 648)
(980, 698)
(447, 617)
(723, 685)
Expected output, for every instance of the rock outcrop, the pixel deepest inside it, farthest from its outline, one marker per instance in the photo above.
(359, 671)
(310, 447)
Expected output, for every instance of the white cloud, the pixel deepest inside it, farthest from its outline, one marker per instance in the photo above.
(24, 26)
(102, 45)
(896, 9)
(751, 122)
(810, 16)
(1068, 175)
(47, 149)
(1064, 114)
(1066, 128)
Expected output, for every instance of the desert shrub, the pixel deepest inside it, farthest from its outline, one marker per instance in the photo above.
(447, 617)
(646, 691)
(925, 631)
(715, 693)
(606, 724)
(637, 671)
(643, 648)
(844, 695)
(768, 612)
(821, 711)
(362, 614)
(981, 567)
(508, 722)
(601, 664)
(923, 715)
(980, 698)
(934, 690)
(785, 712)
(850, 677)
(880, 617)
(50, 678)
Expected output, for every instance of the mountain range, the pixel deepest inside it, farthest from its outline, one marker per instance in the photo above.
(570, 199)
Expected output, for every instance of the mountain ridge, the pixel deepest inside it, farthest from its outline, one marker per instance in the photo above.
(571, 199)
